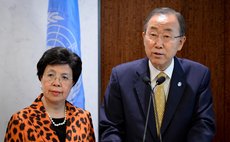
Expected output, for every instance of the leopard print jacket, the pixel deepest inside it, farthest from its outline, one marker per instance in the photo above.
(32, 124)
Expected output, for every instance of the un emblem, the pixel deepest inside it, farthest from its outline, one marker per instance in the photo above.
(60, 34)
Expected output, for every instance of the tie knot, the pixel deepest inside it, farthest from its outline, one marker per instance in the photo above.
(161, 74)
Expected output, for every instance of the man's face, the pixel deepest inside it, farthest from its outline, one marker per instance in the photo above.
(159, 40)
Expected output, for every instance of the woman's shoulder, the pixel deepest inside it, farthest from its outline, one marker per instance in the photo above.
(32, 111)
(21, 115)
(76, 110)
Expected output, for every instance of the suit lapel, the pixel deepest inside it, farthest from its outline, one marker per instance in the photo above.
(177, 87)
(40, 116)
(142, 89)
(143, 92)
(71, 130)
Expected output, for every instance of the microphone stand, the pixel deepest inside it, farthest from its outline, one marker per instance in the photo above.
(147, 117)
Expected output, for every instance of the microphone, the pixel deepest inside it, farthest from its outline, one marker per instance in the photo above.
(159, 81)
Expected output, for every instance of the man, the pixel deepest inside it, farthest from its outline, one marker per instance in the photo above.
(188, 108)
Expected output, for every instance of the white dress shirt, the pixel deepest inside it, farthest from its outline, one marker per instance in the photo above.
(168, 71)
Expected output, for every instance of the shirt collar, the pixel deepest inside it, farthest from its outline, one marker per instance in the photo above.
(154, 72)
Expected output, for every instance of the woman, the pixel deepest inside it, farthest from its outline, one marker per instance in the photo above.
(50, 117)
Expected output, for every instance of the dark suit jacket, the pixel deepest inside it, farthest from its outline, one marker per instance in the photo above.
(188, 117)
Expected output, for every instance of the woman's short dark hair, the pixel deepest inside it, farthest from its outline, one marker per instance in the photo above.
(60, 56)
(166, 10)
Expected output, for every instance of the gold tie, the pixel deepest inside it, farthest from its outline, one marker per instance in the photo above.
(160, 103)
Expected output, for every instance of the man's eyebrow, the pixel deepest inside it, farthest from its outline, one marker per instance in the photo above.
(168, 30)
(153, 28)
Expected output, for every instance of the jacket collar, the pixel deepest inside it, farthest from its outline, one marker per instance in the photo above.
(41, 115)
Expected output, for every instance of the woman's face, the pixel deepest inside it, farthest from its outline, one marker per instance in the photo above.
(56, 83)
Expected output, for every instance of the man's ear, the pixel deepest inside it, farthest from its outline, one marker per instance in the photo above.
(143, 35)
(181, 43)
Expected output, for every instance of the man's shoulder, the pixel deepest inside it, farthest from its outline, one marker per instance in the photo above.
(187, 63)
(132, 64)
(131, 68)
